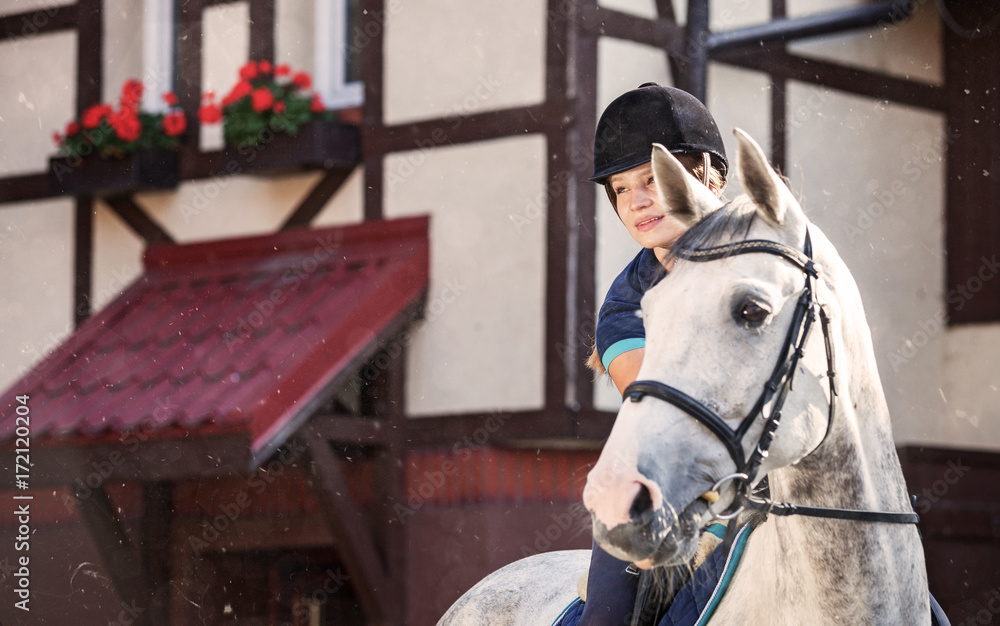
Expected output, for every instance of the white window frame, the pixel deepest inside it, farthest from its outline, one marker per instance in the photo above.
(329, 77)
(157, 53)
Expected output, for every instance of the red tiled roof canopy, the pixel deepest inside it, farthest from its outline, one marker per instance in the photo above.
(241, 335)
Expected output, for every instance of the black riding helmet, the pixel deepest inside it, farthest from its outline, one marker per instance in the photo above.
(637, 119)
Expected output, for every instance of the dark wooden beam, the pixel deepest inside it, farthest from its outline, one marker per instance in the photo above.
(559, 172)
(581, 217)
(22, 188)
(840, 77)
(350, 531)
(661, 33)
(83, 257)
(38, 22)
(694, 67)
(372, 111)
(970, 146)
(317, 198)
(540, 118)
(89, 53)
(385, 397)
(779, 106)
(121, 558)
(133, 215)
(156, 526)
(135, 456)
(262, 30)
(187, 54)
(349, 429)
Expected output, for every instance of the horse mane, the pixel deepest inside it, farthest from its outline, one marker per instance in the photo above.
(733, 220)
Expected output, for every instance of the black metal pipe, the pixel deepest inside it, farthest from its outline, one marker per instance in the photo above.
(889, 12)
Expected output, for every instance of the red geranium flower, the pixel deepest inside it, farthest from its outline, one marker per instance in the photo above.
(249, 71)
(209, 113)
(72, 128)
(56, 137)
(126, 125)
(282, 70)
(316, 105)
(174, 123)
(92, 117)
(170, 98)
(279, 106)
(240, 89)
(131, 94)
(261, 99)
(301, 80)
(264, 67)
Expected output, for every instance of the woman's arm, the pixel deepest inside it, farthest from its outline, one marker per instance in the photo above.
(624, 369)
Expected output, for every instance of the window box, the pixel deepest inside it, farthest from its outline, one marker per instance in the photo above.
(144, 169)
(319, 144)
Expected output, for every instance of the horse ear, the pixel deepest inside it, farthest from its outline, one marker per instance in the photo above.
(761, 182)
(681, 194)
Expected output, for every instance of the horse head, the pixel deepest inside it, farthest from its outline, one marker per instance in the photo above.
(716, 335)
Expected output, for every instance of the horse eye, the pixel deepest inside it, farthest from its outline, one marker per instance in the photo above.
(753, 314)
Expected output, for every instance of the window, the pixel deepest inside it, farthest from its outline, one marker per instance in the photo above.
(340, 41)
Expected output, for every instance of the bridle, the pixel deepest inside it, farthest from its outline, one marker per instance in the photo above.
(774, 393)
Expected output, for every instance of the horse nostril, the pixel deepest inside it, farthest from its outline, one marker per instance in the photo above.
(642, 505)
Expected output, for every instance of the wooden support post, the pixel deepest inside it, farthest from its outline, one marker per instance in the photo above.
(318, 196)
(120, 556)
(157, 516)
(133, 215)
(350, 531)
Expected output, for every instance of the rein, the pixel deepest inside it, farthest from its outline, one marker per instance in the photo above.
(775, 391)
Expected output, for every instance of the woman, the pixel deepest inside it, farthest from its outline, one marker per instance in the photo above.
(624, 140)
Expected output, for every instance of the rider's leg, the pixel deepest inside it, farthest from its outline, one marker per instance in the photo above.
(611, 591)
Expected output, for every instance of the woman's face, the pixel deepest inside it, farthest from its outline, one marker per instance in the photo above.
(639, 208)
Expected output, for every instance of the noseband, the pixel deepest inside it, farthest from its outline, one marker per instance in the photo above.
(775, 391)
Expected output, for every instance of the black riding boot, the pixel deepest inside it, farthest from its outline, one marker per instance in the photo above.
(610, 591)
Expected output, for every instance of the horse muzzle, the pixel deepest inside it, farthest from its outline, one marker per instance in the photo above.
(632, 521)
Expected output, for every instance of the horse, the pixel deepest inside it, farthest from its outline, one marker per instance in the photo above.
(736, 385)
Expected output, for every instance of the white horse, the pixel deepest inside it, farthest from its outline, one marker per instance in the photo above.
(723, 341)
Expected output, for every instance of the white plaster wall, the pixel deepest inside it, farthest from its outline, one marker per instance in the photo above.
(123, 55)
(37, 98)
(481, 346)
(972, 386)
(447, 58)
(226, 47)
(294, 36)
(117, 257)
(49, 9)
(36, 283)
(871, 176)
